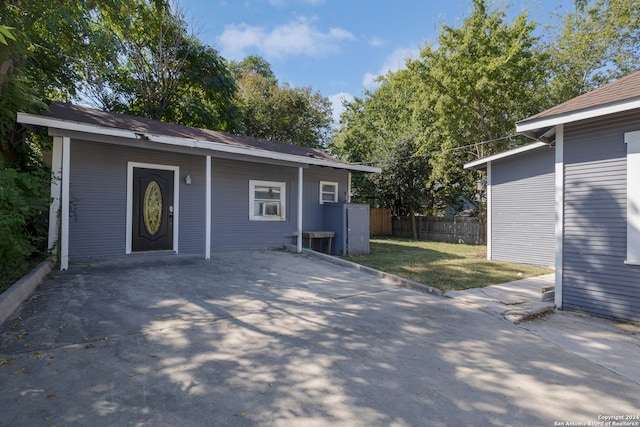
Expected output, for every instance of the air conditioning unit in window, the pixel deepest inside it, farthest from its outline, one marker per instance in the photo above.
(270, 209)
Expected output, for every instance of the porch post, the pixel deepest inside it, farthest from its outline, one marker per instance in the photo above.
(64, 219)
(300, 194)
(56, 176)
(207, 238)
(559, 229)
(489, 227)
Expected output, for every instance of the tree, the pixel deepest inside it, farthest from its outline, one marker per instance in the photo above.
(382, 128)
(39, 63)
(596, 43)
(280, 112)
(155, 69)
(403, 185)
(482, 78)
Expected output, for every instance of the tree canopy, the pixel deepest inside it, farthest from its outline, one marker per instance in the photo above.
(464, 94)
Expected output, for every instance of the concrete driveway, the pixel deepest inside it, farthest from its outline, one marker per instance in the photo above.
(278, 339)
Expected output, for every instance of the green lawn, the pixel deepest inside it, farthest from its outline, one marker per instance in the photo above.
(444, 266)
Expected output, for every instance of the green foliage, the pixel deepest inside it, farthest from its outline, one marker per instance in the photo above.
(461, 99)
(148, 65)
(596, 43)
(6, 33)
(280, 112)
(483, 77)
(403, 185)
(23, 201)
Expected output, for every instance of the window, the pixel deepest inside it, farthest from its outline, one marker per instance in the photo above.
(633, 197)
(328, 191)
(267, 201)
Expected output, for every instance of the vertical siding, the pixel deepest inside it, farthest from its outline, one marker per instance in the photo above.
(523, 208)
(595, 278)
(98, 187)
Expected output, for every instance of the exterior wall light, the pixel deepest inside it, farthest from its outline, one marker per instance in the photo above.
(187, 179)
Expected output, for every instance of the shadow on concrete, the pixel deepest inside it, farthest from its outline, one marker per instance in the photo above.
(272, 338)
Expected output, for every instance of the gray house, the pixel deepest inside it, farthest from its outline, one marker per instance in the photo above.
(595, 140)
(520, 205)
(128, 185)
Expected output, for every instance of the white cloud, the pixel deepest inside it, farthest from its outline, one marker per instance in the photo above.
(295, 38)
(376, 41)
(393, 63)
(336, 102)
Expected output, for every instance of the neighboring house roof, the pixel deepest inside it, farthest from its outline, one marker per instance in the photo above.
(620, 95)
(68, 117)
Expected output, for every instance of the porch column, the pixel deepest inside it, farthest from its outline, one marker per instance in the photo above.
(559, 175)
(207, 238)
(300, 194)
(64, 218)
(489, 228)
(56, 176)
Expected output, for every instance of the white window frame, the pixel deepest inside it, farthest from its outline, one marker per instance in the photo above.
(282, 216)
(335, 193)
(632, 139)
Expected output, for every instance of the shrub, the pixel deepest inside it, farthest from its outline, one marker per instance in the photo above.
(23, 205)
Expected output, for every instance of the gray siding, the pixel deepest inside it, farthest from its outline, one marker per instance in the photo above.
(98, 188)
(595, 278)
(98, 196)
(231, 228)
(312, 209)
(523, 208)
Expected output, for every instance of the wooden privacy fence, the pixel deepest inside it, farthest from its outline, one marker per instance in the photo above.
(470, 231)
(465, 230)
(380, 222)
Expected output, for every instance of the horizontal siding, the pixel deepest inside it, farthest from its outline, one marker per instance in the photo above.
(231, 228)
(98, 201)
(98, 188)
(523, 208)
(99, 192)
(595, 278)
(312, 209)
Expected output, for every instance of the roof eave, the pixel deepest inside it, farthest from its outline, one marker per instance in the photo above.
(481, 164)
(529, 126)
(37, 120)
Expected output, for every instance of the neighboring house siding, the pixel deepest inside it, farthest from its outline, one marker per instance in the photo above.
(522, 206)
(98, 197)
(595, 277)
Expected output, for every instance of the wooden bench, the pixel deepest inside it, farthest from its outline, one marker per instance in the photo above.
(310, 235)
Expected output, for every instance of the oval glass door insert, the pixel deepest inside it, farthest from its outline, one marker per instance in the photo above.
(152, 208)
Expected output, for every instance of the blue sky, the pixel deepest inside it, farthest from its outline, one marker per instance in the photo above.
(336, 47)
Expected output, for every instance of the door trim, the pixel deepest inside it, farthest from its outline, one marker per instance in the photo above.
(176, 200)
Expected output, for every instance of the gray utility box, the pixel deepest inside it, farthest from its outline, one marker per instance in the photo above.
(350, 223)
